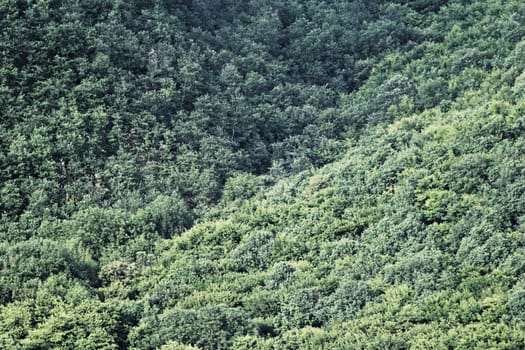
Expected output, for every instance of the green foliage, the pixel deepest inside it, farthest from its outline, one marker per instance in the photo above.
(242, 186)
(207, 328)
(515, 303)
(168, 214)
(254, 252)
(262, 174)
(171, 345)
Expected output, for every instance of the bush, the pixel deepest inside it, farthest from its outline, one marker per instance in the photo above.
(211, 327)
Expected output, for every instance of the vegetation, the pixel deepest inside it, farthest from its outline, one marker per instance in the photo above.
(262, 174)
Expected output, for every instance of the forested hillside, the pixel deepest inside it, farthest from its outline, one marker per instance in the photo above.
(266, 174)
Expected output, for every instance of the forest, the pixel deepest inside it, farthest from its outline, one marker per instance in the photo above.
(262, 174)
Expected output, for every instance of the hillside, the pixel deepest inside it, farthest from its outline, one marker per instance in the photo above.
(262, 175)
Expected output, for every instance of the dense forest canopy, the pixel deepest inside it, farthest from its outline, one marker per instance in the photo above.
(262, 174)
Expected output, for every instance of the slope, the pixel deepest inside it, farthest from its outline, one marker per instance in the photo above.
(414, 239)
(241, 194)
